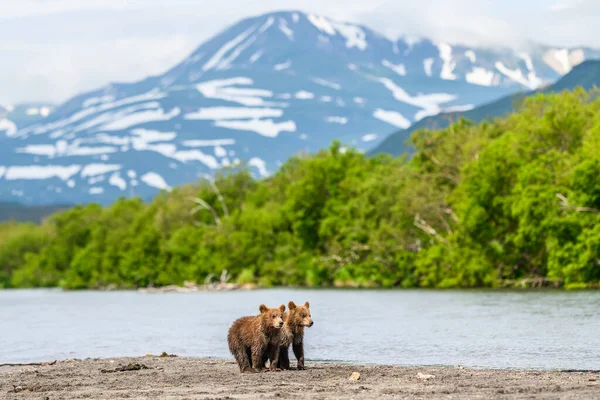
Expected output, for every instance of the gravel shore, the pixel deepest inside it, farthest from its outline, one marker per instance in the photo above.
(193, 378)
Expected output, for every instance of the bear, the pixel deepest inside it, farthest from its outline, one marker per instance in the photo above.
(295, 320)
(249, 338)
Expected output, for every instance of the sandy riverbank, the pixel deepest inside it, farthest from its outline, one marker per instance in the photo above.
(189, 378)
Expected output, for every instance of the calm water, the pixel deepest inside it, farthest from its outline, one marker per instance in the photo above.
(543, 330)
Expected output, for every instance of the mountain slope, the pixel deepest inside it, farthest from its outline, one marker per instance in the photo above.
(585, 75)
(260, 91)
(19, 212)
(12, 117)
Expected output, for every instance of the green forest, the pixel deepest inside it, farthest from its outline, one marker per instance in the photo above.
(507, 203)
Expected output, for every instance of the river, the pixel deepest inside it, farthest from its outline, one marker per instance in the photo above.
(488, 329)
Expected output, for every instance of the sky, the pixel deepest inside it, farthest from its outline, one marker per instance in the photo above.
(51, 50)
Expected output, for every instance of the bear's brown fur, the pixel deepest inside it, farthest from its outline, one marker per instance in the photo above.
(249, 337)
(295, 320)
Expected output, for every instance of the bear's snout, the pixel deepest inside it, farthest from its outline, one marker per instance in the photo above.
(311, 323)
(280, 324)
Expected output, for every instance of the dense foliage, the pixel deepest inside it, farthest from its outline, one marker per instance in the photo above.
(513, 200)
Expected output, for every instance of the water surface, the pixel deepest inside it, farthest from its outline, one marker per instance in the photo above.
(496, 329)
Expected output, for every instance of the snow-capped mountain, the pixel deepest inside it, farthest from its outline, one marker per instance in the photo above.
(260, 91)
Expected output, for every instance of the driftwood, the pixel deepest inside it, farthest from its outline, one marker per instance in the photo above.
(125, 368)
(222, 284)
(587, 371)
(43, 364)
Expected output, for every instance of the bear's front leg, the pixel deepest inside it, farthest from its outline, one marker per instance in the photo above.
(258, 352)
(299, 353)
(274, 357)
(284, 358)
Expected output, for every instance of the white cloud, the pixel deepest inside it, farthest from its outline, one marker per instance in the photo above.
(54, 73)
(52, 49)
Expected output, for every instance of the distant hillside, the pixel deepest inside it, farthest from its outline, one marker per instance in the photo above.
(19, 212)
(586, 75)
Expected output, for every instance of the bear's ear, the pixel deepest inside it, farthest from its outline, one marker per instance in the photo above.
(291, 305)
(262, 308)
(307, 305)
(282, 307)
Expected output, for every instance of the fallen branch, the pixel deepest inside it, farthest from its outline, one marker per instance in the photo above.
(43, 364)
(565, 204)
(220, 197)
(203, 205)
(425, 227)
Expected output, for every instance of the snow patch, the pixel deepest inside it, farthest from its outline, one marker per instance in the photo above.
(142, 117)
(392, 118)
(337, 120)
(470, 54)
(47, 150)
(220, 113)
(266, 25)
(369, 137)
(9, 127)
(43, 111)
(254, 58)
(480, 76)
(41, 172)
(207, 143)
(354, 35)
(155, 180)
(226, 62)
(99, 169)
(196, 155)
(448, 67)
(327, 83)
(219, 54)
(304, 95)
(429, 103)
(260, 165)
(89, 151)
(86, 112)
(265, 127)
(528, 62)
(150, 135)
(221, 89)
(96, 179)
(562, 61)
(459, 108)
(220, 152)
(92, 101)
(400, 69)
(322, 24)
(116, 180)
(516, 75)
(282, 66)
(283, 27)
(427, 66)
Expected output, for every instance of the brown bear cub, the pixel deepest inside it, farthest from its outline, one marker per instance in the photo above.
(295, 320)
(249, 338)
